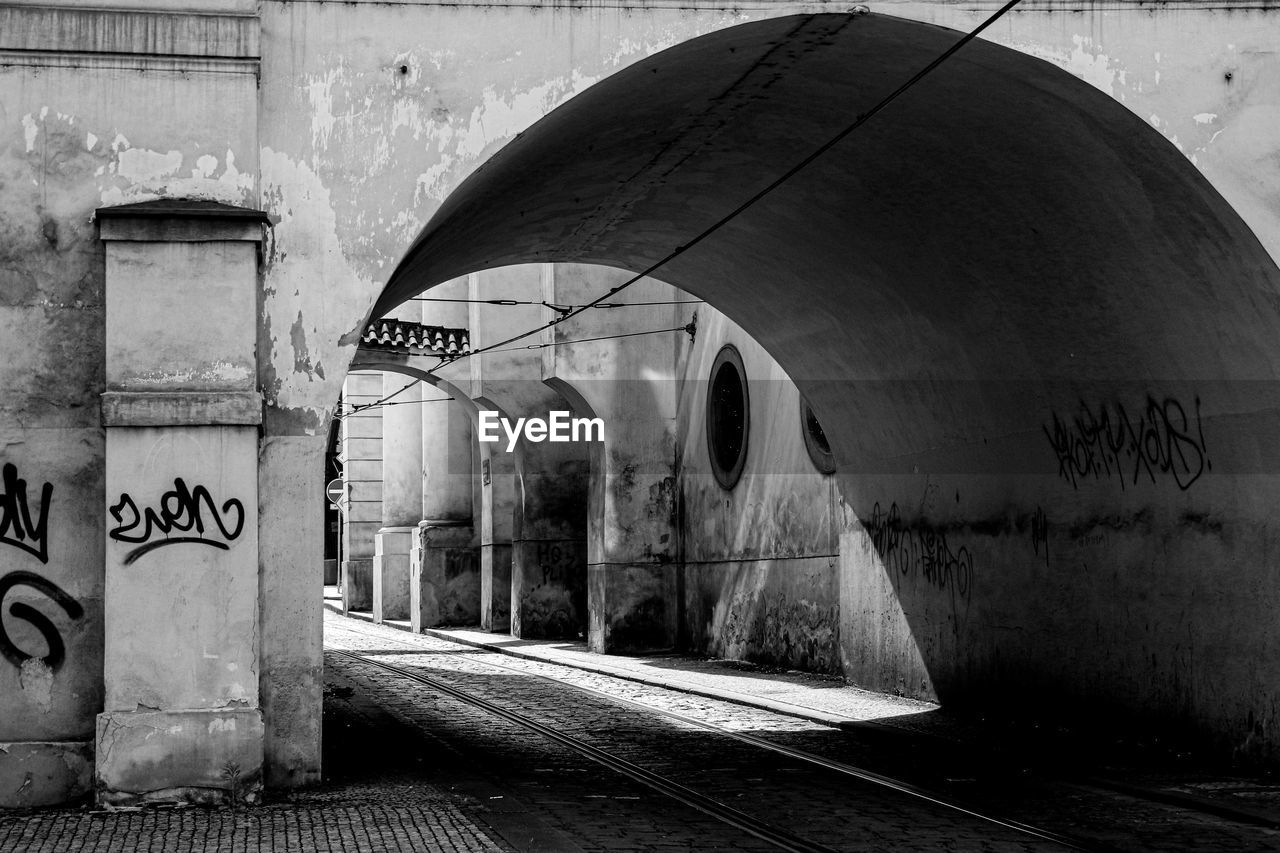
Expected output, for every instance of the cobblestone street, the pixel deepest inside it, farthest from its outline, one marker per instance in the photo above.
(411, 768)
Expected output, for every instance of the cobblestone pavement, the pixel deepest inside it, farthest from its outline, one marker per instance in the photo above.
(429, 825)
(374, 798)
(814, 803)
(1115, 758)
(602, 810)
(410, 769)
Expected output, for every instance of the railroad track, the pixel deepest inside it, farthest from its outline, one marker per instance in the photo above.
(774, 835)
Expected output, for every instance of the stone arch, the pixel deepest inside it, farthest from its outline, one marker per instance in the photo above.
(972, 291)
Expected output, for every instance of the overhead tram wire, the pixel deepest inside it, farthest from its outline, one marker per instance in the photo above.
(553, 306)
(688, 328)
(858, 122)
(378, 405)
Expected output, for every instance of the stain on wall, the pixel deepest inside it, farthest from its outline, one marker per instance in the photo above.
(760, 561)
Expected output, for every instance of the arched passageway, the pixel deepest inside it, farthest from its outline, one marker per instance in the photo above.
(1034, 335)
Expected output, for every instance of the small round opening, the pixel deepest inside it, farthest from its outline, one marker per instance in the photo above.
(727, 417)
(815, 440)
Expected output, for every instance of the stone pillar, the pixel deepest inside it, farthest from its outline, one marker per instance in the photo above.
(181, 719)
(401, 496)
(633, 570)
(444, 565)
(497, 496)
(444, 576)
(549, 545)
(362, 476)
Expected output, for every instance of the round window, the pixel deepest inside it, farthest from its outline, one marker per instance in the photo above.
(727, 417)
(815, 440)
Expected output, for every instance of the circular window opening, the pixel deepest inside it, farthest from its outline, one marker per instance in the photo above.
(727, 417)
(815, 440)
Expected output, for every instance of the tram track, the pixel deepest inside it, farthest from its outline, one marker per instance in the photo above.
(780, 838)
(1182, 800)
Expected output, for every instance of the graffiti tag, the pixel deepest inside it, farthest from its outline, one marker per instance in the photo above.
(907, 550)
(57, 650)
(17, 526)
(181, 509)
(1107, 442)
(1040, 533)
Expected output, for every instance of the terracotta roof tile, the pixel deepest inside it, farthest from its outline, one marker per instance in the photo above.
(406, 336)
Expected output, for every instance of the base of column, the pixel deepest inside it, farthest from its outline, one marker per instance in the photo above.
(495, 587)
(632, 608)
(203, 757)
(444, 576)
(549, 589)
(391, 572)
(44, 773)
(357, 585)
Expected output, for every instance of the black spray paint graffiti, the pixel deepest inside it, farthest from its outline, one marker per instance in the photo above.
(1107, 442)
(181, 509)
(1040, 533)
(924, 550)
(19, 529)
(57, 652)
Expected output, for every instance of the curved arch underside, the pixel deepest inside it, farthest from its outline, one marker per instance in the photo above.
(1001, 242)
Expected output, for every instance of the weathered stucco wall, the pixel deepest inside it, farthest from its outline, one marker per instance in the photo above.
(76, 135)
(371, 115)
(760, 560)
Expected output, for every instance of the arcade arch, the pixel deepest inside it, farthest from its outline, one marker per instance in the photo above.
(970, 292)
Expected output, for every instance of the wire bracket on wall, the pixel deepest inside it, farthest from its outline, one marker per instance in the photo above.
(692, 328)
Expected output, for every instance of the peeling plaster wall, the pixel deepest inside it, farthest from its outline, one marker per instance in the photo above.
(371, 114)
(76, 135)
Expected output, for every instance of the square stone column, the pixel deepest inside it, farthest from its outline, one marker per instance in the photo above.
(444, 576)
(182, 719)
(391, 573)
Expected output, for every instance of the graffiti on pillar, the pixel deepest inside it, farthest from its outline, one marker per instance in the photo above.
(923, 551)
(186, 510)
(557, 561)
(1040, 533)
(17, 525)
(22, 529)
(1165, 439)
(57, 650)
